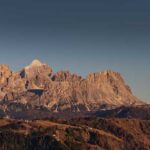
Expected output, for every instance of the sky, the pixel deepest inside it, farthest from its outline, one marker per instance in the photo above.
(82, 36)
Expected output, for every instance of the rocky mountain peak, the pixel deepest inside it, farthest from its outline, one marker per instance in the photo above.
(36, 69)
(64, 90)
(65, 76)
(103, 75)
(5, 73)
(35, 63)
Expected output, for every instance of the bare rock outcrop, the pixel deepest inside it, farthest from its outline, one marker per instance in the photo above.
(5, 73)
(35, 69)
(37, 84)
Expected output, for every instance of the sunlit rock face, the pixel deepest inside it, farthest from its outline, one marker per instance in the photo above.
(36, 69)
(5, 73)
(63, 90)
(109, 86)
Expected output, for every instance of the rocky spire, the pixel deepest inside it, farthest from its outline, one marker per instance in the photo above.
(36, 68)
(35, 63)
(65, 90)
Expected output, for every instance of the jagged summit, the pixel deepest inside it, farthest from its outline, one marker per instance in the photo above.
(65, 91)
(35, 63)
(36, 69)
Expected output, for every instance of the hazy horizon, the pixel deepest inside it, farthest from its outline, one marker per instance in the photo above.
(80, 36)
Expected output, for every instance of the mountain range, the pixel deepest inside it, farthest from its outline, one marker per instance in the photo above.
(41, 109)
(38, 86)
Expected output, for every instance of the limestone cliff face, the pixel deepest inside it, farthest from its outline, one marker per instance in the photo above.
(37, 84)
(109, 86)
(36, 69)
(5, 73)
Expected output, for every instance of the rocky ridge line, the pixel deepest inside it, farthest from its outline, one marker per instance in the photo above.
(37, 85)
